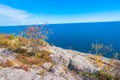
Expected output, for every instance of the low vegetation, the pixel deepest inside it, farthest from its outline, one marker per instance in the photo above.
(6, 64)
(99, 75)
(109, 70)
(28, 46)
(29, 49)
(42, 57)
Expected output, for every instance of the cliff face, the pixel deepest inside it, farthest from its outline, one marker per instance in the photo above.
(66, 64)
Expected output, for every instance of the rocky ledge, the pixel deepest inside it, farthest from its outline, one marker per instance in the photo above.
(66, 64)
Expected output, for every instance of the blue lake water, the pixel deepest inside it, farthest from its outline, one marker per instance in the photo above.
(79, 36)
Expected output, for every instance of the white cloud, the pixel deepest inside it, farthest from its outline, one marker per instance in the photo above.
(13, 13)
(12, 16)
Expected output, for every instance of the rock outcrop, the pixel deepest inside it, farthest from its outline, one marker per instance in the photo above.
(6, 54)
(17, 74)
(72, 59)
(64, 67)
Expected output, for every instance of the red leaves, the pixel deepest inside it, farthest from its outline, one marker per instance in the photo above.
(32, 29)
(29, 30)
(35, 32)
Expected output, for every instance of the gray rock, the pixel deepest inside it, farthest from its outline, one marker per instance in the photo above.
(71, 59)
(66, 64)
(58, 72)
(60, 56)
(51, 76)
(58, 69)
(6, 54)
(68, 75)
(2, 59)
(17, 74)
(47, 66)
(80, 63)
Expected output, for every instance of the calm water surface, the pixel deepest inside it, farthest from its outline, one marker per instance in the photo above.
(79, 36)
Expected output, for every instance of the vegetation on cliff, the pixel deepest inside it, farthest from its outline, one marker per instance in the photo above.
(30, 48)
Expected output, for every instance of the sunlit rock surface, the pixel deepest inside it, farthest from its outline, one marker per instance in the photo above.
(66, 64)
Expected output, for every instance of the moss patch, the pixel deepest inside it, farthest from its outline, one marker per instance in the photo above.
(97, 75)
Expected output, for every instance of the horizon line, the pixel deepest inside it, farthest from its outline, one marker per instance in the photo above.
(62, 23)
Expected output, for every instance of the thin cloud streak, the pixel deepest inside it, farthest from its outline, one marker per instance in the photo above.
(12, 16)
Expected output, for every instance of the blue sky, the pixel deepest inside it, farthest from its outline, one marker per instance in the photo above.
(22, 12)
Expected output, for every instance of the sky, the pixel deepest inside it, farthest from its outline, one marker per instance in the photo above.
(26, 12)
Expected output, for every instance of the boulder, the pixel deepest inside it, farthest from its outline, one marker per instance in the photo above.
(80, 63)
(60, 56)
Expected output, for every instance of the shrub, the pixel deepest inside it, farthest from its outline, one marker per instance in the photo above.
(35, 36)
(101, 49)
(29, 46)
(106, 68)
(11, 37)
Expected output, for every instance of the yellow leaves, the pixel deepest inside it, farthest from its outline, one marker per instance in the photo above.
(1, 67)
(99, 61)
(1, 36)
(97, 58)
(100, 64)
(107, 66)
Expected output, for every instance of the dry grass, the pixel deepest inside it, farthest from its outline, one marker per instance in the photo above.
(12, 42)
(24, 61)
(42, 57)
(15, 42)
(6, 64)
(23, 67)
